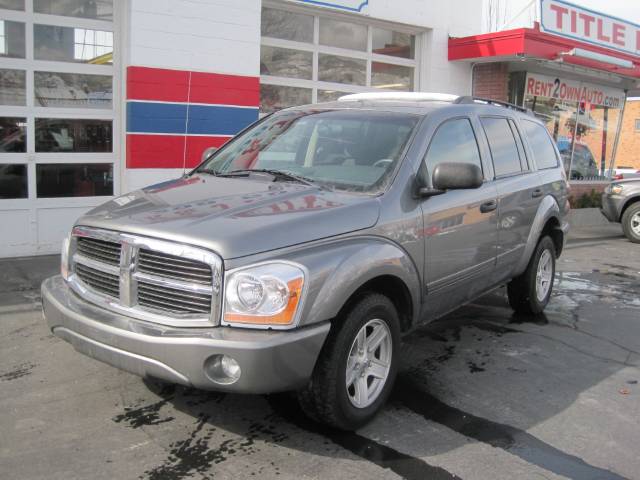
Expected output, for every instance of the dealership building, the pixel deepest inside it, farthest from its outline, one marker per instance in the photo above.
(100, 97)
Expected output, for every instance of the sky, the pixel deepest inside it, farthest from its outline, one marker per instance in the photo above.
(626, 9)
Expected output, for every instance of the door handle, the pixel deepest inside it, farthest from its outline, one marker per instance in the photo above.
(489, 206)
(536, 193)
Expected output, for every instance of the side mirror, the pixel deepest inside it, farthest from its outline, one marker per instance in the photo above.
(455, 176)
(208, 153)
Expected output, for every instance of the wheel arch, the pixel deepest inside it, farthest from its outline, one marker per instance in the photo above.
(627, 203)
(547, 221)
(392, 287)
(347, 269)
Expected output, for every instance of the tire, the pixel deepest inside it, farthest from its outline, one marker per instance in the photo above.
(526, 294)
(327, 398)
(631, 222)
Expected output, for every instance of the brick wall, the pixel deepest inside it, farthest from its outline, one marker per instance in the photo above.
(491, 80)
(629, 144)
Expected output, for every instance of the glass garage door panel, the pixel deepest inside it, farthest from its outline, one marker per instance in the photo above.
(72, 90)
(66, 44)
(12, 39)
(73, 135)
(13, 181)
(13, 87)
(73, 180)
(13, 134)
(94, 9)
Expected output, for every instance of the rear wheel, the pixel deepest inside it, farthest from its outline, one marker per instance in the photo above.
(631, 222)
(530, 292)
(357, 366)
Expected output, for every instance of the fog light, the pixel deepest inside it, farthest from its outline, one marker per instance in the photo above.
(222, 369)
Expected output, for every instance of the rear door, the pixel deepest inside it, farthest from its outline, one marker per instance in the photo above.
(459, 225)
(518, 192)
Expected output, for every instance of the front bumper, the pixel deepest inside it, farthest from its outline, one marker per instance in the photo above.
(270, 361)
(611, 207)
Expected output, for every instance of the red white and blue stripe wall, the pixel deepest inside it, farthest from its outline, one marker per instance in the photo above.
(174, 115)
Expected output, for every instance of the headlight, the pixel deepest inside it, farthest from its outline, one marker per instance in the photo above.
(268, 294)
(64, 257)
(616, 189)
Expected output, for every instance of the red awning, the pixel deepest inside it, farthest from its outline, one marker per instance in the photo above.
(532, 43)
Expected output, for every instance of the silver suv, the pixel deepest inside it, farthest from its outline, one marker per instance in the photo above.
(299, 254)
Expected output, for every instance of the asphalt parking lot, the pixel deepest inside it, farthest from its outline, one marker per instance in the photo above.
(482, 394)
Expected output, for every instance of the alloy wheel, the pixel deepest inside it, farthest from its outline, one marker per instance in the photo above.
(368, 363)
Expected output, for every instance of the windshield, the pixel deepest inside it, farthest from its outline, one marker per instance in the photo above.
(344, 149)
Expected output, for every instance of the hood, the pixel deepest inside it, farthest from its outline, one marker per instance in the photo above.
(235, 217)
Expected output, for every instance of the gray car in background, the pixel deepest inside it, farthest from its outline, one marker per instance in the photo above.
(297, 255)
(621, 203)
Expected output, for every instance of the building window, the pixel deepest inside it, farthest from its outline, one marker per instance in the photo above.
(308, 58)
(637, 124)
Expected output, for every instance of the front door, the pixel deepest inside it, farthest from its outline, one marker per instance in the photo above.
(459, 226)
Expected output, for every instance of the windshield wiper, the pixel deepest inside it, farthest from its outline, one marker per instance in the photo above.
(276, 173)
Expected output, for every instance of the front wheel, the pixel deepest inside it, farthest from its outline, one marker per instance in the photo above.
(631, 223)
(530, 292)
(357, 366)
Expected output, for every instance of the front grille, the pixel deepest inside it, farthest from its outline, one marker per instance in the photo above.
(100, 250)
(171, 266)
(150, 279)
(172, 300)
(103, 282)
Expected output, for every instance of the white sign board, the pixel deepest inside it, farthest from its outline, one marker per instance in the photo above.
(569, 20)
(573, 91)
(357, 6)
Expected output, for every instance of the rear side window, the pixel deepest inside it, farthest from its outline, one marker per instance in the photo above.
(541, 144)
(454, 141)
(504, 151)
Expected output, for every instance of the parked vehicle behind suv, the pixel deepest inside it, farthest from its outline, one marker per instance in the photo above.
(621, 204)
(297, 256)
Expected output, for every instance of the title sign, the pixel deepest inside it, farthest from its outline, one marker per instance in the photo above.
(573, 91)
(569, 20)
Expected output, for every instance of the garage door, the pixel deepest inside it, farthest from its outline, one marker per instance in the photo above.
(58, 152)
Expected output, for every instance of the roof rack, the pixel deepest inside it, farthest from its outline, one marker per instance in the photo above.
(466, 99)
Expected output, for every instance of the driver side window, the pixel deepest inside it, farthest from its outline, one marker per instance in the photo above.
(453, 141)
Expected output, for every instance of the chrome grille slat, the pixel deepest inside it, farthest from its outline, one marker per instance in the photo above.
(158, 292)
(176, 305)
(158, 305)
(203, 279)
(155, 260)
(196, 270)
(99, 256)
(103, 282)
(173, 267)
(168, 257)
(147, 278)
(108, 252)
(98, 273)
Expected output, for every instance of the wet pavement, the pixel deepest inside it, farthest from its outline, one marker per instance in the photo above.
(482, 394)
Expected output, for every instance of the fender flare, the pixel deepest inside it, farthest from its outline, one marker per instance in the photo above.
(354, 262)
(547, 209)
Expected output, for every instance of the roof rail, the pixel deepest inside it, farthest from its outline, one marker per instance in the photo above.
(466, 99)
(400, 96)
